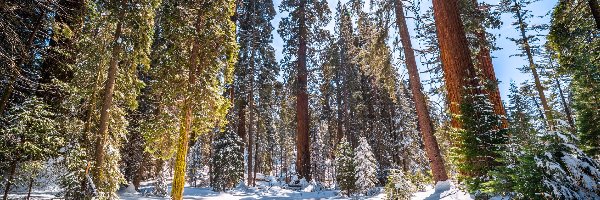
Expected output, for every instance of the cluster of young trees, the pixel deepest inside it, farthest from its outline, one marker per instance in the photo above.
(104, 93)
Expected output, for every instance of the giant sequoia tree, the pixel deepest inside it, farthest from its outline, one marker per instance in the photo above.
(299, 31)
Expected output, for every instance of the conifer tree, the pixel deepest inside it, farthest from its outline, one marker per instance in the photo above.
(229, 161)
(194, 63)
(366, 167)
(255, 70)
(345, 168)
(573, 36)
(299, 31)
(528, 49)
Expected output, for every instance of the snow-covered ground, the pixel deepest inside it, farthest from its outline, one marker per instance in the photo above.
(443, 191)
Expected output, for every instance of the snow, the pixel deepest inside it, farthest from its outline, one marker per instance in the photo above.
(444, 190)
(265, 190)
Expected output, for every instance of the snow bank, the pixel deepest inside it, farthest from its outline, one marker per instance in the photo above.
(444, 190)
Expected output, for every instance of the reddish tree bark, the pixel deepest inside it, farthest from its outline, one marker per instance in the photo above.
(455, 54)
(302, 127)
(484, 63)
(424, 121)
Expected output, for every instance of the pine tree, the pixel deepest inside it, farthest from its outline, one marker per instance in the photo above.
(298, 31)
(366, 167)
(31, 135)
(573, 36)
(229, 161)
(528, 49)
(479, 142)
(345, 168)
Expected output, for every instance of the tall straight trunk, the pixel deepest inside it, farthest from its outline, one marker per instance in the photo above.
(16, 69)
(536, 76)
(425, 126)
(256, 161)
(563, 100)
(455, 54)
(302, 128)
(251, 120)
(484, 63)
(186, 125)
(109, 88)
(9, 180)
(595, 8)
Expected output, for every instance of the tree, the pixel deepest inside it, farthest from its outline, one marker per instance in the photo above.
(255, 68)
(572, 38)
(425, 124)
(529, 49)
(193, 79)
(229, 159)
(345, 168)
(366, 167)
(458, 67)
(298, 31)
(31, 136)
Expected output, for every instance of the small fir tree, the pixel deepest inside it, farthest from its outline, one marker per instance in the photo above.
(480, 141)
(366, 167)
(228, 161)
(345, 167)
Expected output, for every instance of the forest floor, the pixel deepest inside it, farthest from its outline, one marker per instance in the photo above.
(265, 190)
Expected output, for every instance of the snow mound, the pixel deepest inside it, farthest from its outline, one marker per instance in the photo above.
(130, 189)
(443, 190)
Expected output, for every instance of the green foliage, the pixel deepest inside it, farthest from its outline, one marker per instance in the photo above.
(479, 143)
(573, 36)
(228, 161)
(399, 186)
(31, 133)
(345, 168)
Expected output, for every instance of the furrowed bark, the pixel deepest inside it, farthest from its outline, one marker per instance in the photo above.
(424, 121)
(302, 128)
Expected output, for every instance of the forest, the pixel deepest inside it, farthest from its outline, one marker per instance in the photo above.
(299, 99)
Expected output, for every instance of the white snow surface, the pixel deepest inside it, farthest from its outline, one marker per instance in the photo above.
(444, 190)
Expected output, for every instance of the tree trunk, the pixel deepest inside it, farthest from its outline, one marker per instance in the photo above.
(484, 63)
(109, 87)
(424, 121)
(11, 174)
(16, 70)
(31, 180)
(595, 11)
(251, 117)
(186, 125)
(536, 77)
(302, 128)
(455, 54)
(566, 107)
(256, 163)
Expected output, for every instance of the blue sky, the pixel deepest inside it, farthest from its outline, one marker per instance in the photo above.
(505, 65)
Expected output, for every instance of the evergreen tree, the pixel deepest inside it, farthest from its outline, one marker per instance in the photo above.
(366, 167)
(480, 142)
(228, 161)
(194, 62)
(31, 135)
(573, 36)
(529, 48)
(345, 168)
(301, 29)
